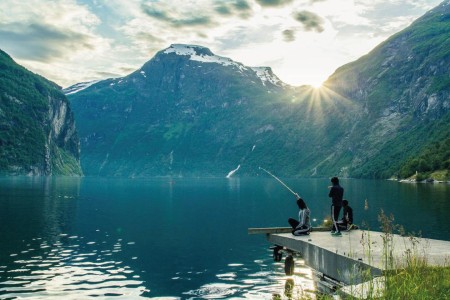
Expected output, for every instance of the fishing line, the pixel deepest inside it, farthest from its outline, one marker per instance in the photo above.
(280, 212)
(279, 180)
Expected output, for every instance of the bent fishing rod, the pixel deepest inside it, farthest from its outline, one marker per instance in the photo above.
(282, 183)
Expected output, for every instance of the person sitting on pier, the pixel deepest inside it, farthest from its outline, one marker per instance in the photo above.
(303, 226)
(347, 220)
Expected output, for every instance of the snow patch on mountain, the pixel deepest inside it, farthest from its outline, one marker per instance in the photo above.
(78, 87)
(202, 54)
(266, 75)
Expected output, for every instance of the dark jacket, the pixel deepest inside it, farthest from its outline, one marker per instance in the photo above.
(348, 215)
(336, 194)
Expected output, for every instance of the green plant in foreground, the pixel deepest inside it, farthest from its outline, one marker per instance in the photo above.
(418, 281)
(408, 277)
(412, 277)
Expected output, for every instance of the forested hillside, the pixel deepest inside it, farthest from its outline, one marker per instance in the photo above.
(37, 127)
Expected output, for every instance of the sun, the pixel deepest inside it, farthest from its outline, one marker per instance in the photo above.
(315, 78)
(317, 84)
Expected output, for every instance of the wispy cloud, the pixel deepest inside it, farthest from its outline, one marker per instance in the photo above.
(241, 5)
(42, 42)
(310, 20)
(57, 31)
(223, 9)
(273, 2)
(175, 18)
(289, 35)
(240, 8)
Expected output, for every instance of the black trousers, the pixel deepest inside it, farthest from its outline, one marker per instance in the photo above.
(298, 231)
(335, 210)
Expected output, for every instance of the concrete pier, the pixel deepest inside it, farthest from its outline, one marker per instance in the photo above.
(348, 257)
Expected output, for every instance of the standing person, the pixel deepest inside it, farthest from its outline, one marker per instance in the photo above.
(303, 225)
(336, 194)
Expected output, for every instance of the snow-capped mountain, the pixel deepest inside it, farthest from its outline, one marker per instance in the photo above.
(198, 54)
(203, 54)
(178, 105)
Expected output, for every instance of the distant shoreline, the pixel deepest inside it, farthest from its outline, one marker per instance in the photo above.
(421, 181)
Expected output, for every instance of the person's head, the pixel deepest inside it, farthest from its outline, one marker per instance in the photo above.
(301, 204)
(335, 180)
(344, 202)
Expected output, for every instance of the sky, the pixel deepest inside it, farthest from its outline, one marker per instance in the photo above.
(303, 41)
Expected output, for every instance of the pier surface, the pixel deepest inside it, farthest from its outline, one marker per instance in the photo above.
(345, 258)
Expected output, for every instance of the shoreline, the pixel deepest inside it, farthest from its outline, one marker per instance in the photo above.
(422, 181)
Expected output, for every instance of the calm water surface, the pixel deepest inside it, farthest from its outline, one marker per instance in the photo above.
(77, 238)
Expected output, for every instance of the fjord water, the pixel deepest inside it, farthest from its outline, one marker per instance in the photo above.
(128, 238)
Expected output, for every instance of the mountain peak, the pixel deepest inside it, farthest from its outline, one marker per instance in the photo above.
(204, 55)
(201, 54)
(184, 49)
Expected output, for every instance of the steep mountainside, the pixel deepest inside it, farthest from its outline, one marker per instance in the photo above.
(403, 89)
(188, 112)
(37, 127)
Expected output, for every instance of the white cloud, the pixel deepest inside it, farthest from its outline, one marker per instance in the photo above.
(62, 14)
(51, 41)
(79, 42)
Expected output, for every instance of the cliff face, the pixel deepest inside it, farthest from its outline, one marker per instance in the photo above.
(402, 91)
(37, 127)
(63, 145)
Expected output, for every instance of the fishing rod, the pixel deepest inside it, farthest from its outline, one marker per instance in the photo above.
(279, 180)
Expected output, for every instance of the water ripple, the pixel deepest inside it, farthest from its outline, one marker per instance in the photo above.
(69, 269)
(239, 281)
(216, 291)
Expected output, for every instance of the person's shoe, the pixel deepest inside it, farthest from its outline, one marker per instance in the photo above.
(332, 232)
(350, 227)
(337, 233)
